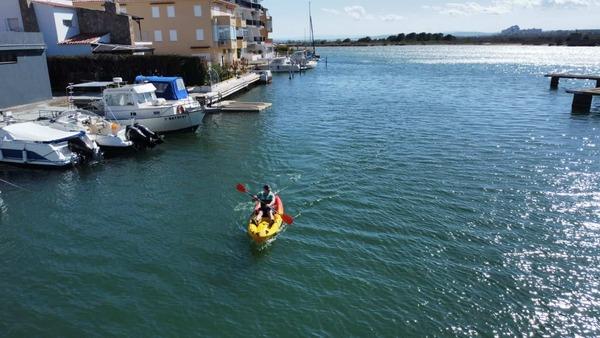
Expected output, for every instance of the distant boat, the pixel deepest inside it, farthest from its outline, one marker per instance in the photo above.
(30, 143)
(282, 65)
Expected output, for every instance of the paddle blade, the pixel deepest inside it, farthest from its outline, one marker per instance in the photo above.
(240, 187)
(287, 219)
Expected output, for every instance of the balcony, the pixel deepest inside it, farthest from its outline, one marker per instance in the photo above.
(242, 44)
(226, 20)
(240, 23)
(227, 44)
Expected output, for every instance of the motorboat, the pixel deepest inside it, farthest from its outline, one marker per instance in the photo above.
(266, 76)
(282, 65)
(110, 136)
(139, 104)
(30, 143)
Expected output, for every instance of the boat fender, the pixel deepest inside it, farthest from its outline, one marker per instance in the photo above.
(114, 128)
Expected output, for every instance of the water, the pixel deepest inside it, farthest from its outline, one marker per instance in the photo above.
(438, 191)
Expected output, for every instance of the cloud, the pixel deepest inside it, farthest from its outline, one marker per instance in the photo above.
(498, 7)
(358, 13)
(331, 11)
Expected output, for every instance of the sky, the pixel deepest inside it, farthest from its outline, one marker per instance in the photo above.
(356, 18)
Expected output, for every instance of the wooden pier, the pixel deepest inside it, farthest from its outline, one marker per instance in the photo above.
(555, 78)
(582, 99)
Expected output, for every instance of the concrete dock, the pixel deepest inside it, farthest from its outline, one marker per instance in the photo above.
(555, 78)
(582, 99)
(217, 92)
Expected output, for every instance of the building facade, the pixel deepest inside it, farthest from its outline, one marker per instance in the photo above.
(220, 31)
(69, 30)
(23, 69)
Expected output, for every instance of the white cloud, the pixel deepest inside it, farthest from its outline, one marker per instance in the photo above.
(358, 13)
(498, 7)
(331, 11)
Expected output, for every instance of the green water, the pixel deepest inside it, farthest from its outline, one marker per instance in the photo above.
(437, 191)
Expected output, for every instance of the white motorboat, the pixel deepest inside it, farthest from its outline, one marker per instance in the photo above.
(31, 143)
(139, 104)
(283, 65)
(266, 76)
(111, 137)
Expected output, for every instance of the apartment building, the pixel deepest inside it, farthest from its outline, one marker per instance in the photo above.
(220, 31)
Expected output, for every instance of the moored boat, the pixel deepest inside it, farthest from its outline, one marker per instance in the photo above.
(110, 136)
(138, 103)
(30, 143)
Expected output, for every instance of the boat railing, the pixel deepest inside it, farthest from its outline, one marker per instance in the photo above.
(49, 114)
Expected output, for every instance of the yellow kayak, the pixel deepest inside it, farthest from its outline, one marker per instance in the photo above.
(265, 230)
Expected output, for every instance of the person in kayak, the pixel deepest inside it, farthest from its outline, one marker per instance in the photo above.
(266, 199)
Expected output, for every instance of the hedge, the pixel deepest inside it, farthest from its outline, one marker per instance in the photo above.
(76, 69)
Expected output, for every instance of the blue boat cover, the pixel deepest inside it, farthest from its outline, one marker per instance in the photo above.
(168, 88)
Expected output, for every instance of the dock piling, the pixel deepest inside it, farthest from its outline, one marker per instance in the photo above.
(554, 82)
(582, 103)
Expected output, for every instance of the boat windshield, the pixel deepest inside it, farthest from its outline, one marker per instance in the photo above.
(147, 97)
(119, 99)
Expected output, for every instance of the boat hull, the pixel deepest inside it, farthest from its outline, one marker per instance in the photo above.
(189, 121)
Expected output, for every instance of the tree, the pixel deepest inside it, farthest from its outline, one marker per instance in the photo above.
(411, 36)
(347, 40)
(365, 39)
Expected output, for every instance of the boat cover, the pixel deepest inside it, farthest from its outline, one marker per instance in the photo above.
(168, 88)
(33, 132)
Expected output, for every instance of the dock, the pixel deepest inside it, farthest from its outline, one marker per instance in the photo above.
(555, 78)
(237, 107)
(216, 92)
(582, 98)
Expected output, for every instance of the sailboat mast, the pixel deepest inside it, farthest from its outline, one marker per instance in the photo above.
(312, 33)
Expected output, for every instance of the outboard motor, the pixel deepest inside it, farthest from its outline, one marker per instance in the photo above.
(153, 137)
(82, 149)
(138, 138)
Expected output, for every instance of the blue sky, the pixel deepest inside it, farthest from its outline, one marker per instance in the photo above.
(377, 17)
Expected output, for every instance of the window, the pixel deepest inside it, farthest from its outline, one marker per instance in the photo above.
(173, 35)
(171, 11)
(13, 25)
(146, 97)
(200, 34)
(158, 36)
(68, 23)
(119, 100)
(197, 10)
(8, 58)
(155, 12)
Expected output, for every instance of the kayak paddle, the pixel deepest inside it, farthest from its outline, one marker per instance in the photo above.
(286, 218)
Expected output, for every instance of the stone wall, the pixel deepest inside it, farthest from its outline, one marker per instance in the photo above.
(120, 26)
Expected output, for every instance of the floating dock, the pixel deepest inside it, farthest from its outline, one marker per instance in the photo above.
(237, 107)
(555, 78)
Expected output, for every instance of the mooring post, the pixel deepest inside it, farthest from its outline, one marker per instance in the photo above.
(582, 103)
(554, 82)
